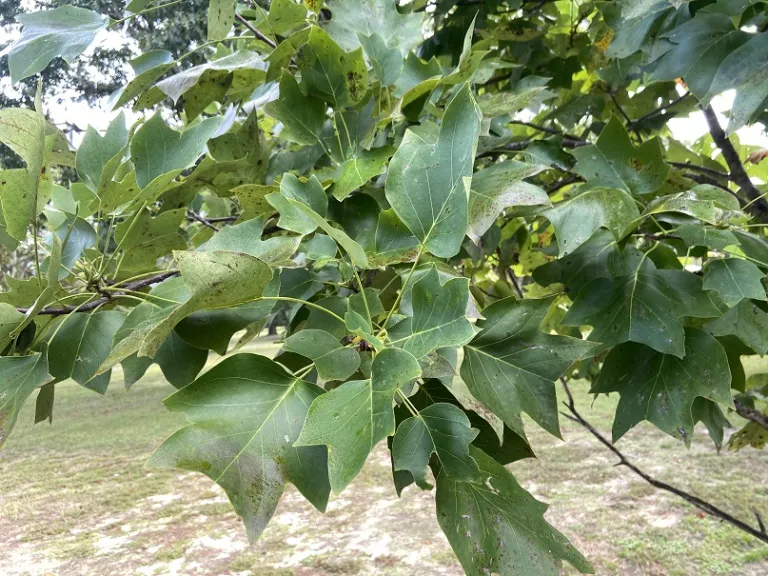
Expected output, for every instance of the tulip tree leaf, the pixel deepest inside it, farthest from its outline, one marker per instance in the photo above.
(302, 117)
(498, 187)
(745, 321)
(430, 174)
(439, 316)
(615, 163)
(66, 31)
(81, 345)
(734, 279)
(99, 156)
(329, 73)
(19, 377)
(354, 417)
(157, 149)
(332, 360)
(511, 365)
(244, 417)
(640, 307)
(357, 170)
(705, 202)
(661, 388)
(221, 17)
(498, 528)
(442, 429)
(352, 18)
(577, 218)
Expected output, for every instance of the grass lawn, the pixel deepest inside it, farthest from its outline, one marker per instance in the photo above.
(76, 499)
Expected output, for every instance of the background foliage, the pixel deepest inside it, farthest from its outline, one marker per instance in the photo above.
(488, 189)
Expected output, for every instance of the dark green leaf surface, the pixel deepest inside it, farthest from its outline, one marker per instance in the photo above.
(245, 415)
(351, 419)
(511, 365)
(661, 388)
(497, 527)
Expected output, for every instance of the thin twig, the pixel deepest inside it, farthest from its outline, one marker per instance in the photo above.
(703, 169)
(195, 217)
(751, 414)
(96, 303)
(658, 111)
(739, 175)
(702, 505)
(515, 283)
(256, 32)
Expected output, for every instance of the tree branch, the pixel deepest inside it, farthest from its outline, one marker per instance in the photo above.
(751, 414)
(703, 169)
(256, 32)
(758, 205)
(133, 286)
(193, 216)
(702, 505)
(658, 111)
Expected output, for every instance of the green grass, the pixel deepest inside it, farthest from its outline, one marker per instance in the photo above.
(76, 495)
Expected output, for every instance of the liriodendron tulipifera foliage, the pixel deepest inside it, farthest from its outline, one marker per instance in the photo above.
(451, 204)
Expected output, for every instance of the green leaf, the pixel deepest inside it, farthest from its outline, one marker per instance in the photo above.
(439, 316)
(246, 237)
(99, 156)
(23, 131)
(429, 176)
(499, 528)
(329, 73)
(145, 238)
(245, 414)
(211, 281)
(285, 15)
(19, 377)
(354, 18)
(302, 117)
(80, 346)
(309, 193)
(598, 257)
(66, 31)
(498, 187)
(511, 365)
(353, 249)
(148, 67)
(440, 429)
(387, 61)
(390, 242)
(332, 360)
(140, 322)
(697, 49)
(510, 101)
(10, 320)
(661, 388)
(357, 170)
(696, 235)
(213, 329)
(577, 218)
(615, 163)
(707, 203)
(734, 279)
(354, 417)
(157, 149)
(241, 69)
(639, 306)
(221, 17)
(179, 361)
(745, 321)
(743, 68)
